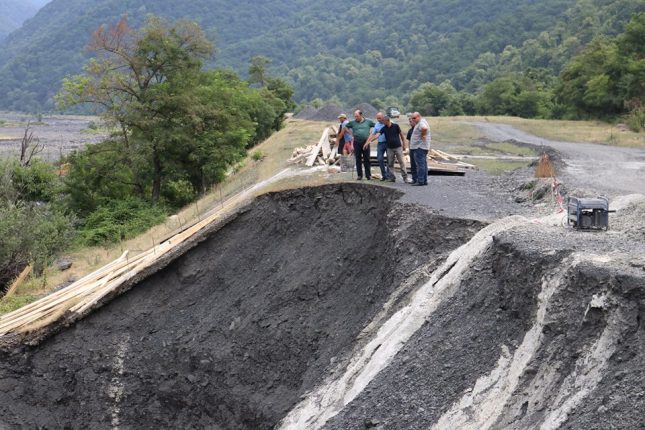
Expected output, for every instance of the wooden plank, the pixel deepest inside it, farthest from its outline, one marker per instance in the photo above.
(19, 280)
(326, 147)
(334, 152)
(313, 155)
(70, 290)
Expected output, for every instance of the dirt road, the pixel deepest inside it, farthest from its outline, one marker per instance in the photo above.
(606, 169)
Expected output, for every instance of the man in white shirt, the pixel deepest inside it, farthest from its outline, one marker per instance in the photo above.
(419, 147)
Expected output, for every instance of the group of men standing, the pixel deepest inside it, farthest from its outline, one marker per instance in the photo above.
(356, 136)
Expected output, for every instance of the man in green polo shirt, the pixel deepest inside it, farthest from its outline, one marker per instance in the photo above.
(360, 129)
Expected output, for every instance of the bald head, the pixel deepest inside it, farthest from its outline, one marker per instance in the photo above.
(379, 116)
(358, 115)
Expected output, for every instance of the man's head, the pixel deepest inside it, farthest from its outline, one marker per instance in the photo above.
(386, 120)
(342, 117)
(416, 117)
(379, 117)
(358, 115)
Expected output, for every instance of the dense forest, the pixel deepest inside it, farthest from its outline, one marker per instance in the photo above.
(382, 51)
(14, 12)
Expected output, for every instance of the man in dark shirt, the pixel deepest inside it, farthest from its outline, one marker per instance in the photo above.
(360, 130)
(395, 142)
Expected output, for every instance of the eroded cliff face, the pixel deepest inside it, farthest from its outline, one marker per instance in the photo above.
(340, 307)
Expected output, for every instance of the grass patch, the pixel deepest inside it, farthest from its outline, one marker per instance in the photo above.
(10, 304)
(511, 149)
(258, 155)
(598, 132)
(497, 167)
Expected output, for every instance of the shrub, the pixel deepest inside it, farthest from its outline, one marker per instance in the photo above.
(636, 119)
(179, 193)
(258, 155)
(31, 233)
(118, 220)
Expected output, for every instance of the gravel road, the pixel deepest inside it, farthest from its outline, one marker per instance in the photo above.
(607, 169)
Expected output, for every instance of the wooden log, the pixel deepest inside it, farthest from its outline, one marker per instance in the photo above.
(19, 280)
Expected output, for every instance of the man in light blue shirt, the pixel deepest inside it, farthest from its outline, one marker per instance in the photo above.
(381, 147)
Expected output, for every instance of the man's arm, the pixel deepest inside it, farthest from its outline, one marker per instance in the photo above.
(341, 133)
(403, 140)
(424, 130)
(372, 136)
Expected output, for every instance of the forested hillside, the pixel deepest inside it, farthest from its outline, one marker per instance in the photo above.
(14, 12)
(379, 50)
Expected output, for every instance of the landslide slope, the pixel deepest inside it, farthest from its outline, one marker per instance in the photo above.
(233, 332)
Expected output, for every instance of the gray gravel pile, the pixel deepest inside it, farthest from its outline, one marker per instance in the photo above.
(330, 112)
(306, 112)
(368, 110)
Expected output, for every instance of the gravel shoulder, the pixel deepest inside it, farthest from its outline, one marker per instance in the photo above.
(609, 170)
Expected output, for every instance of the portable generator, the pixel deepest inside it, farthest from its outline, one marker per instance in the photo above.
(589, 213)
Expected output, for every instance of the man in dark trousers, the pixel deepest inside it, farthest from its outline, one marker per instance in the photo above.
(413, 165)
(395, 143)
(360, 129)
(419, 147)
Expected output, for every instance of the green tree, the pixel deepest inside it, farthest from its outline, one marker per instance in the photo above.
(257, 70)
(430, 99)
(149, 82)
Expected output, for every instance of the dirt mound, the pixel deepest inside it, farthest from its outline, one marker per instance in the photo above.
(368, 110)
(330, 112)
(232, 333)
(306, 112)
(327, 113)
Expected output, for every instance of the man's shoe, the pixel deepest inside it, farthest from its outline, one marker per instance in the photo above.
(359, 178)
(383, 179)
(416, 184)
(392, 179)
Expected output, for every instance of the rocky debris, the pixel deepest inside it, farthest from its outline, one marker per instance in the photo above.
(63, 263)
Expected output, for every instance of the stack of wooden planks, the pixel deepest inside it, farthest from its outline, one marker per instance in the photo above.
(78, 298)
(324, 153)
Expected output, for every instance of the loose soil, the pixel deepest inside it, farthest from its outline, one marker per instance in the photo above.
(232, 333)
